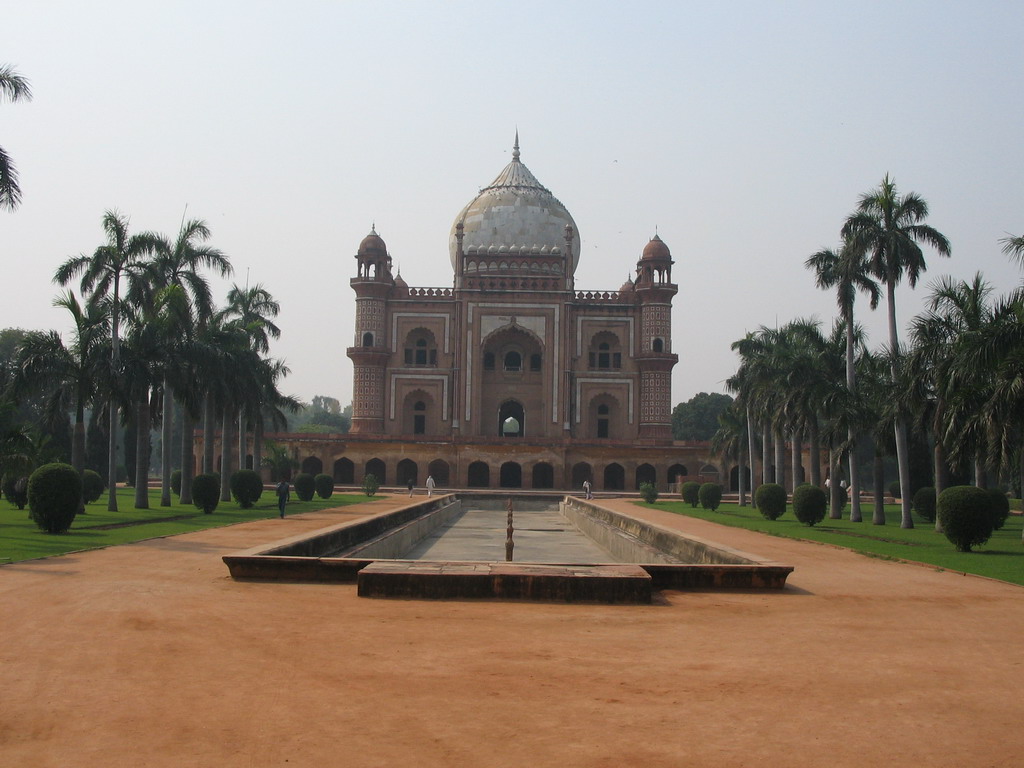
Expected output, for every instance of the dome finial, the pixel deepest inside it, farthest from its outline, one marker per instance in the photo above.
(515, 147)
(373, 228)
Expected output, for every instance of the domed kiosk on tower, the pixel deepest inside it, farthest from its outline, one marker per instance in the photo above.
(510, 376)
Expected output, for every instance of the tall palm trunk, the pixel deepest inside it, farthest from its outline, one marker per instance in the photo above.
(243, 440)
(142, 425)
(257, 445)
(855, 510)
(115, 364)
(766, 451)
(835, 500)
(209, 433)
(878, 518)
(815, 437)
(226, 449)
(753, 455)
(741, 481)
(902, 450)
(78, 438)
(780, 458)
(939, 466)
(980, 476)
(165, 440)
(796, 450)
(187, 455)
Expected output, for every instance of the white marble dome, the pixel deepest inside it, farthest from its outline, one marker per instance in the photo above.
(515, 213)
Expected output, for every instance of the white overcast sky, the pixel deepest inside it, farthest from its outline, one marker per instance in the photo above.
(743, 131)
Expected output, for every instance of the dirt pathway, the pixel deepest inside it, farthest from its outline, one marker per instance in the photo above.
(149, 655)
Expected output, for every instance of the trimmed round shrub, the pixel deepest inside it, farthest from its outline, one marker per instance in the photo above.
(176, 482)
(324, 485)
(92, 486)
(924, 503)
(246, 487)
(771, 500)
(370, 484)
(54, 495)
(648, 492)
(206, 492)
(710, 496)
(1000, 508)
(16, 489)
(894, 489)
(305, 486)
(809, 504)
(965, 513)
(691, 492)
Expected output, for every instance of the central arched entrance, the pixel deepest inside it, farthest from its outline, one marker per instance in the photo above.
(511, 475)
(511, 419)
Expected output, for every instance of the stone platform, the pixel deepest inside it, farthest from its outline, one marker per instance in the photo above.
(509, 581)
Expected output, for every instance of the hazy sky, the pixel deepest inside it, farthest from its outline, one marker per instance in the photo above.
(743, 131)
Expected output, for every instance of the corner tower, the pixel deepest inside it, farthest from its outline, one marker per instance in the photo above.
(654, 289)
(373, 284)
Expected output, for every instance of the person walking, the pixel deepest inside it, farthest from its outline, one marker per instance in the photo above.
(282, 496)
(410, 485)
(430, 485)
(586, 489)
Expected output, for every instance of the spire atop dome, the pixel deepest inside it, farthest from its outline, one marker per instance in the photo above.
(515, 148)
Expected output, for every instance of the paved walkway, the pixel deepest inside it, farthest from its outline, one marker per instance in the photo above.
(149, 655)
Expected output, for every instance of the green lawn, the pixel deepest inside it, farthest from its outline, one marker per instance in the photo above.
(20, 539)
(1001, 558)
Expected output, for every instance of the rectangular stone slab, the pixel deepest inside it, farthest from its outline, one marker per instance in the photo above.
(505, 581)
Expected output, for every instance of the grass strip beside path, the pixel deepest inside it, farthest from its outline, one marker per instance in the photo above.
(20, 539)
(1002, 557)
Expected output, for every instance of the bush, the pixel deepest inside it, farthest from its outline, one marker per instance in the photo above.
(965, 513)
(924, 503)
(691, 492)
(176, 482)
(771, 500)
(16, 489)
(894, 489)
(710, 496)
(54, 496)
(370, 484)
(809, 504)
(648, 492)
(305, 486)
(92, 486)
(324, 485)
(246, 487)
(1000, 508)
(206, 492)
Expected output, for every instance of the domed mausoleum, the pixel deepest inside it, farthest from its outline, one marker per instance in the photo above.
(509, 376)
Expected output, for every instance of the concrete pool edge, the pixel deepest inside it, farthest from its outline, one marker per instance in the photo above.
(293, 559)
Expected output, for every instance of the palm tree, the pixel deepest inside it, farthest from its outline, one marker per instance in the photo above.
(731, 442)
(1014, 247)
(178, 264)
(121, 258)
(889, 229)
(14, 87)
(253, 310)
(69, 372)
(847, 272)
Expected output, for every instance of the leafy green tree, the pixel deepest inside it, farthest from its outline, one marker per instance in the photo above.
(846, 270)
(889, 228)
(68, 373)
(697, 418)
(15, 87)
(122, 258)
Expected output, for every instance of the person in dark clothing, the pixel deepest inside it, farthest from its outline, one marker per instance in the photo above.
(282, 496)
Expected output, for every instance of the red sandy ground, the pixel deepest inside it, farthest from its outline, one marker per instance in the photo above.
(150, 655)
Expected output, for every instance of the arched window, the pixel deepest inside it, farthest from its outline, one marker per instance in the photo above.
(513, 361)
(534, 362)
(602, 420)
(488, 361)
(658, 345)
(419, 418)
(420, 348)
(605, 351)
(367, 339)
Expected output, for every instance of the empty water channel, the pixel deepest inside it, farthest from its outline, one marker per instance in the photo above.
(457, 545)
